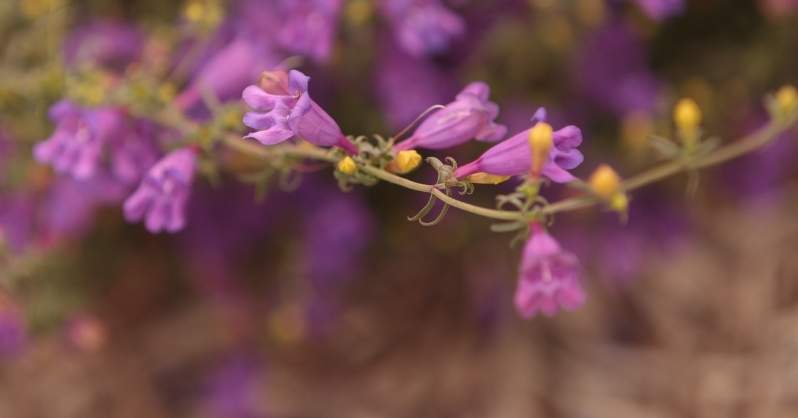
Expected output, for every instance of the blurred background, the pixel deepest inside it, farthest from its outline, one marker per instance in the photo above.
(315, 302)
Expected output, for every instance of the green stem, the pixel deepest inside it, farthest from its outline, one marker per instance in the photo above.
(747, 144)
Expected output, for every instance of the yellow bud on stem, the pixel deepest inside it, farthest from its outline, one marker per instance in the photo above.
(347, 166)
(687, 117)
(786, 100)
(405, 161)
(605, 182)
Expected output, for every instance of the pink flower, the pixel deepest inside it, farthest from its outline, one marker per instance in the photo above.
(283, 109)
(512, 157)
(469, 116)
(549, 278)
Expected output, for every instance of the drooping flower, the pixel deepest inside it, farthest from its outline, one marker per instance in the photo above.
(471, 115)
(283, 109)
(549, 277)
(228, 71)
(513, 156)
(163, 193)
(80, 136)
(423, 27)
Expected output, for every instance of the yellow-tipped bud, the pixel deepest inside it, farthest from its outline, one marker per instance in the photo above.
(619, 202)
(485, 178)
(786, 100)
(605, 182)
(347, 166)
(540, 143)
(687, 115)
(405, 161)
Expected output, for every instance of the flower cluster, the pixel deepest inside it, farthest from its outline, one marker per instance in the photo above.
(140, 133)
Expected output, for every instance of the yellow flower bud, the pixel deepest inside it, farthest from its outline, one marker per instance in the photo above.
(347, 166)
(405, 161)
(619, 202)
(786, 100)
(540, 143)
(687, 115)
(605, 182)
(485, 178)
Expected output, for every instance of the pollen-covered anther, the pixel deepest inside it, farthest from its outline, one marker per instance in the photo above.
(540, 142)
(485, 178)
(405, 161)
(687, 117)
(347, 166)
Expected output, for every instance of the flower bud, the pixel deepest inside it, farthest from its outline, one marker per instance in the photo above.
(347, 166)
(687, 117)
(540, 143)
(405, 161)
(605, 182)
(786, 100)
(485, 178)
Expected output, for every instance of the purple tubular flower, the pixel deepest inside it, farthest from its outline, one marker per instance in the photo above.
(227, 72)
(161, 198)
(549, 278)
(423, 27)
(77, 144)
(513, 157)
(283, 109)
(471, 115)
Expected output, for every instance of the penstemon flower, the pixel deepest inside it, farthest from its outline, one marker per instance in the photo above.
(227, 72)
(470, 115)
(80, 136)
(549, 277)
(163, 193)
(283, 109)
(423, 27)
(513, 156)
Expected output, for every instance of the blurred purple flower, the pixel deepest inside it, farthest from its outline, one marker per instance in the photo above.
(513, 157)
(106, 43)
(133, 152)
(232, 389)
(423, 27)
(226, 72)
(13, 333)
(612, 73)
(307, 27)
(549, 278)
(470, 116)
(661, 9)
(406, 86)
(161, 198)
(80, 136)
(284, 109)
(68, 207)
(16, 220)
